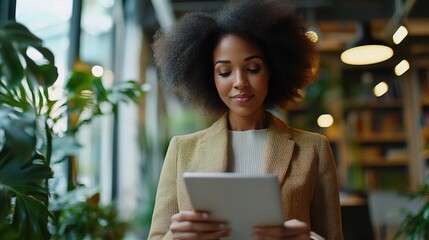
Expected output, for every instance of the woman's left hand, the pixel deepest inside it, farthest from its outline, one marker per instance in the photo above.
(291, 230)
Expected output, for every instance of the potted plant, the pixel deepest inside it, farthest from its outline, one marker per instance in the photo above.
(415, 226)
(24, 161)
(27, 118)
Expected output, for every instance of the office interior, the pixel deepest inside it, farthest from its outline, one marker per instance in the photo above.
(375, 114)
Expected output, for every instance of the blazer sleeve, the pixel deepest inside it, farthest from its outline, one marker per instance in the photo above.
(166, 197)
(325, 206)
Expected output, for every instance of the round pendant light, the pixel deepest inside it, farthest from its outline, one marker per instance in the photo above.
(366, 50)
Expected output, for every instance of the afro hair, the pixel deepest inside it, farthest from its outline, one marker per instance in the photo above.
(184, 51)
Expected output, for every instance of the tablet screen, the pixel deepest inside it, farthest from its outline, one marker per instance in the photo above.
(242, 201)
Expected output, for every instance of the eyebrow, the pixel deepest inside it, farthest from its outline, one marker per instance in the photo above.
(252, 57)
(246, 59)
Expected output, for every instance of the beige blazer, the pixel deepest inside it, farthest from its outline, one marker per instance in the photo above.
(302, 161)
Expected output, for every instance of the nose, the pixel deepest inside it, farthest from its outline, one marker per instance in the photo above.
(240, 81)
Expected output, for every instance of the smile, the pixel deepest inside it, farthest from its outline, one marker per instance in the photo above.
(242, 98)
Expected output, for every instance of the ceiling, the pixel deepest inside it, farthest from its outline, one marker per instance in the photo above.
(336, 20)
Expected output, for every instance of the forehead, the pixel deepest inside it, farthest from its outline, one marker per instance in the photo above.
(231, 45)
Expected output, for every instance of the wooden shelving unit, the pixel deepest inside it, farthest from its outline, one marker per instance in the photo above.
(381, 141)
(375, 129)
(423, 86)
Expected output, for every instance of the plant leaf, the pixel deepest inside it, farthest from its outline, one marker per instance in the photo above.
(11, 66)
(15, 39)
(7, 231)
(19, 132)
(26, 180)
(78, 82)
(18, 33)
(44, 74)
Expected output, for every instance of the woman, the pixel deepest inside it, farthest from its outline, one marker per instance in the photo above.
(252, 56)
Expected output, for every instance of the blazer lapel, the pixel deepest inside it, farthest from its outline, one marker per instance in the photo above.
(213, 151)
(279, 149)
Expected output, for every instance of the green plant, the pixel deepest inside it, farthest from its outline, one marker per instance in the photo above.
(81, 216)
(28, 116)
(415, 226)
(24, 161)
(85, 94)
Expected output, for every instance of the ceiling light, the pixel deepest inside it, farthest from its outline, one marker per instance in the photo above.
(400, 34)
(366, 50)
(312, 35)
(402, 67)
(325, 120)
(380, 89)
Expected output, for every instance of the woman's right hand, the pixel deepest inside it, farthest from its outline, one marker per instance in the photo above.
(187, 225)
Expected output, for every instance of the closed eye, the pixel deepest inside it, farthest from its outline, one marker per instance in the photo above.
(224, 74)
(253, 70)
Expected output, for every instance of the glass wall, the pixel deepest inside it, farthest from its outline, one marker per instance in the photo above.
(104, 36)
(97, 49)
(50, 21)
(122, 156)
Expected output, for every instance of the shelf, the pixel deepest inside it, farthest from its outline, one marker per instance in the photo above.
(381, 138)
(385, 104)
(384, 163)
(377, 131)
(351, 200)
(425, 154)
(425, 102)
(392, 179)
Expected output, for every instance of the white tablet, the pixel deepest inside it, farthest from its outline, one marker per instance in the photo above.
(243, 201)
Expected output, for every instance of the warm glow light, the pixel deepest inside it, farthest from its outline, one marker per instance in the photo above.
(97, 71)
(400, 34)
(312, 35)
(402, 67)
(367, 54)
(380, 89)
(325, 120)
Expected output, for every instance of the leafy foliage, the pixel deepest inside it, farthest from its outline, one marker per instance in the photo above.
(15, 40)
(415, 226)
(87, 97)
(81, 216)
(28, 116)
(23, 170)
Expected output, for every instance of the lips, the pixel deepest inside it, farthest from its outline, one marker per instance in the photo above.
(242, 98)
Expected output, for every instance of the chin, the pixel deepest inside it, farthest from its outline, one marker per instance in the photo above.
(243, 112)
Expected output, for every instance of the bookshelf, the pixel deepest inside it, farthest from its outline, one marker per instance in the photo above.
(423, 86)
(375, 130)
(379, 143)
(322, 97)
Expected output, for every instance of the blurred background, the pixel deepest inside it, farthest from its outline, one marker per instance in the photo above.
(375, 114)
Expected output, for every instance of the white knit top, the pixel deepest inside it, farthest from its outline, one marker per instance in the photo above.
(248, 151)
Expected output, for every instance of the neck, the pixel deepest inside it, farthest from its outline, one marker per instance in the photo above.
(254, 121)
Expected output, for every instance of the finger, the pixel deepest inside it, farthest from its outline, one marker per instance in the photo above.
(294, 237)
(291, 228)
(278, 231)
(267, 234)
(201, 235)
(295, 227)
(189, 226)
(189, 216)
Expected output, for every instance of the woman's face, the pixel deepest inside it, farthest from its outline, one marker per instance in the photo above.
(241, 75)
